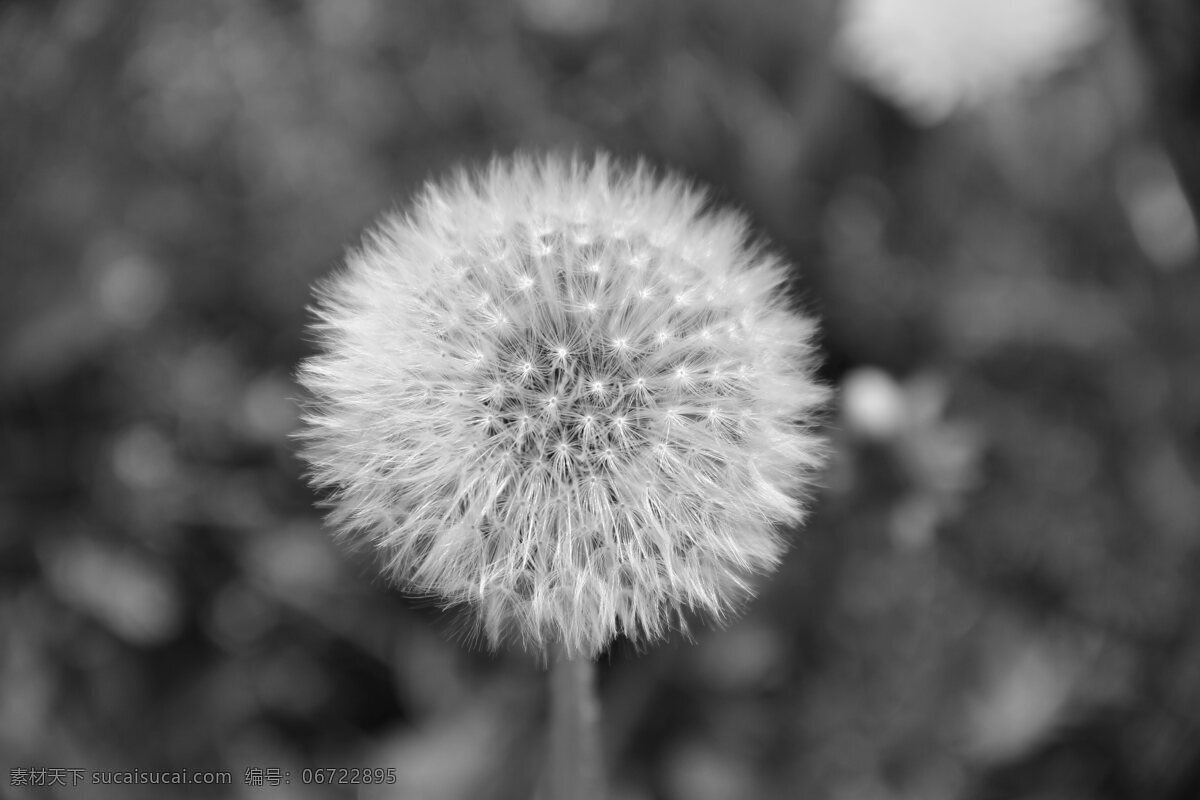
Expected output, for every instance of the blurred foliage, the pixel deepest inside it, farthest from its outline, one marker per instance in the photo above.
(996, 597)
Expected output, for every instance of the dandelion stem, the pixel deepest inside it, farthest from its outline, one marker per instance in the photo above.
(574, 747)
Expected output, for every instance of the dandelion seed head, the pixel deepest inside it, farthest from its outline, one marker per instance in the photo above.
(568, 477)
(933, 57)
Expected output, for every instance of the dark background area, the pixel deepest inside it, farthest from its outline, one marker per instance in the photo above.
(996, 597)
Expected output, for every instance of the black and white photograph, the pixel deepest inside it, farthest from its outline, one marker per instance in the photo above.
(600, 400)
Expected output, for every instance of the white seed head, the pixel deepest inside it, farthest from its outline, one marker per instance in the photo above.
(567, 476)
(934, 57)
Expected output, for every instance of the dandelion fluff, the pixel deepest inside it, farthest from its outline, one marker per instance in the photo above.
(933, 57)
(567, 396)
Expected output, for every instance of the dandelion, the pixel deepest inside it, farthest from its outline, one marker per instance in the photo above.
(935, 56)
(620, 450)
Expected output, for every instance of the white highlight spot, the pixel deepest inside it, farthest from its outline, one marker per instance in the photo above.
(873, 403)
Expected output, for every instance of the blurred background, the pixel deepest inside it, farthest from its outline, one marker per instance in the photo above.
(998, 594)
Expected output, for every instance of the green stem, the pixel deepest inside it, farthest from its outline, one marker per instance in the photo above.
(575, 771)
